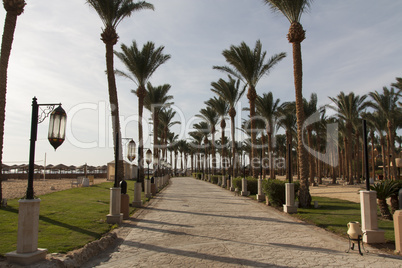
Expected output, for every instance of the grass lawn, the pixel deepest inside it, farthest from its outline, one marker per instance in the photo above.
(68, 219)
(334, 214)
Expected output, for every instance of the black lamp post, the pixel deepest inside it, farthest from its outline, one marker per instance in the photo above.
(56, 134)
(148, 158)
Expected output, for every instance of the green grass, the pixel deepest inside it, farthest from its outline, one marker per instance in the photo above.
(68, 219)
(334, 214)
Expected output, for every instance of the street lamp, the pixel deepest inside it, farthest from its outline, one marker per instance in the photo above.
(131, 150)
(148, 159)
(28, 212)
(56, 134)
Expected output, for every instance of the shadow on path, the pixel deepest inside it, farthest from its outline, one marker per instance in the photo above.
(198, 255)
(264, 219)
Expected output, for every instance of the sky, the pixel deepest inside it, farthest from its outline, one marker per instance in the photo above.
(57, 56)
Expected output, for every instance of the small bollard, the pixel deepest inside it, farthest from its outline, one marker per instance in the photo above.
(123, 186)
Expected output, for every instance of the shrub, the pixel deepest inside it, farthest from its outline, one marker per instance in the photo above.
(214, 179)
(199, 175)
(252, 184)
(276, 191)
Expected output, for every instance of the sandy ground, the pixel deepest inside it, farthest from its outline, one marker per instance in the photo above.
(17, 188)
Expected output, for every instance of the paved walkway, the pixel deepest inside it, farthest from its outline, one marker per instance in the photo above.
(193, 223)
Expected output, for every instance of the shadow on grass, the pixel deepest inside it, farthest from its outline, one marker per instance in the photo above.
(58, 223)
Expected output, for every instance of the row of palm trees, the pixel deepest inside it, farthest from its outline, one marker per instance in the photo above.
(382, 110)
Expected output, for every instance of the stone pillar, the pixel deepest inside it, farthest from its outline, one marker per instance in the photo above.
(368, 206)
(137, 202)
(290, 207)
(147, 188)
(398, 231)
(260, 195)
(244, 191)
(125, 208)
(231, 184)
(114, 215)
(153, 189)
(223, 185)
(27, 239)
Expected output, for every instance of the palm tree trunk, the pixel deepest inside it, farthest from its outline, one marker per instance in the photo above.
(392, 149)
(310, 156)
(232, 130)
(223, 125)
(382, 142)
(252, 95)
(270, 157)
(156, 125)
(213, 153)
(304, 196)
(384, 209)
(6, 44)
(114, 107)
(350, 152)
(372, 155)
(358, 157)
(388, 157)
(141, 93)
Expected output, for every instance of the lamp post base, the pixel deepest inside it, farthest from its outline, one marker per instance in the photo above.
(27, 258)
(114, 215)
(372, 235)
(137, 202)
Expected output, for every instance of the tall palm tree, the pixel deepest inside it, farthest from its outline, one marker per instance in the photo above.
(14, 8)
(249, 66)
(292, 10)
(156, 99)
(211, 117)
(141, 64)
(386, 103)
(112, 12)
(231, 92)
(267, 107)
(348, 108)
(222, 108)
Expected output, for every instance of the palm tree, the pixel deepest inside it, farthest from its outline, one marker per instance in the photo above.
(267, 107)
(141, 64)
(386, 103)
(112, 12)
(292, 10)
(384, 190)
(211, 117)
(231, 92)
(287, 120)
(310, 107)
(165, 119)
(348, 108)
(156, 99)
(222, 109)
(249, 66)
(14, 8)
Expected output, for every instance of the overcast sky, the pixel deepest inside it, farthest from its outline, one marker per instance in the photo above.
(58, 56)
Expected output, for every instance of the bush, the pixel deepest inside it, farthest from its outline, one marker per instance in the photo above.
(275, 190)
(199, 175)
(214, 179)
(252, 184)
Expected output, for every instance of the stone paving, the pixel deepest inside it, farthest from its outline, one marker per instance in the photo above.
(193, 223)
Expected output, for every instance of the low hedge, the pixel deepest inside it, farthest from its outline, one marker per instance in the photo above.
(276, 192)
(252, 184)
(214, 179)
